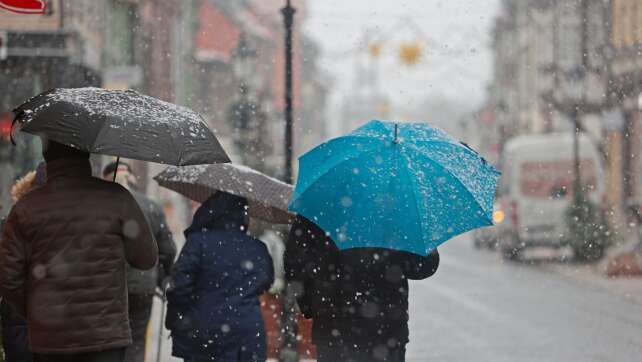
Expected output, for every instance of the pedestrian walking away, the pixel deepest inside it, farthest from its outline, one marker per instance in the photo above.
(63, 253)
(15, 342)
(142, 284)
(357, 298)
(213, 301)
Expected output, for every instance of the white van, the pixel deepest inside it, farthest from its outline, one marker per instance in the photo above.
(536, 188)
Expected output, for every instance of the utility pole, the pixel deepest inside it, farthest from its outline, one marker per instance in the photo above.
(288, 20)
(289, 330)
(577, 180)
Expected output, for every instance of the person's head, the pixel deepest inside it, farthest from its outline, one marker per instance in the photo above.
(52, 151)
(221, 211)
(124, 173)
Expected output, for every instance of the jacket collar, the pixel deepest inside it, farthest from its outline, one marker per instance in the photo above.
(71, 167)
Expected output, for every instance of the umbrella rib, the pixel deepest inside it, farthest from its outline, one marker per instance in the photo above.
(327, 169)
(440, 166)
(419, 208)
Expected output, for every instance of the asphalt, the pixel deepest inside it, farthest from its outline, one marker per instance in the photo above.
(481, 308)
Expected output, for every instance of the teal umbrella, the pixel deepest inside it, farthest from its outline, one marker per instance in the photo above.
(402, 186)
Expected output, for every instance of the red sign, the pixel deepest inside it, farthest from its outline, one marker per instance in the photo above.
(24, 6)
(6, 118)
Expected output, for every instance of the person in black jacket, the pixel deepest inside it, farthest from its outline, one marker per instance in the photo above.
(357, 298)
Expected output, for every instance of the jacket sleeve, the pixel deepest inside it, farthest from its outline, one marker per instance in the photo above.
(185, 273)
(269, 265)
(13, 263)
(141, 250)
(419, 267)
(166, 245)
(294, 258)
(297, 261)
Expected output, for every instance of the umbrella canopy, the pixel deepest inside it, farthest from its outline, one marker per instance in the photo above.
(406, 186)
(121, 123)
(267, 196)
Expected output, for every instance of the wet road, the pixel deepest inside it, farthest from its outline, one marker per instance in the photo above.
(479, 308)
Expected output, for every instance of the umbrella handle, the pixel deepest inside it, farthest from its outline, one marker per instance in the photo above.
(116, 170)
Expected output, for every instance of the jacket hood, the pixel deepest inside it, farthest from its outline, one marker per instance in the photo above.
(222, 211)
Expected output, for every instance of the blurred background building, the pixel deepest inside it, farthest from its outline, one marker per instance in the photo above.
(565, 60)
(224, 59)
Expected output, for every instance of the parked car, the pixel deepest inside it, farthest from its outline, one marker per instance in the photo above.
(536, 188)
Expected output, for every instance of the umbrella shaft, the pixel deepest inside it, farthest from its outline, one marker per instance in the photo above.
(116, 170)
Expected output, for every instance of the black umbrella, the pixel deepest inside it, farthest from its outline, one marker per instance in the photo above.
(122, 123)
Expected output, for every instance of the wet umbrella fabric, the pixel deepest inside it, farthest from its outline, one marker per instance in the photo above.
(267, 196)
(406, 186)
(121, 123)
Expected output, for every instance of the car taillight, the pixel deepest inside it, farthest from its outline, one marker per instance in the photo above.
(498, 216)
(514, 213)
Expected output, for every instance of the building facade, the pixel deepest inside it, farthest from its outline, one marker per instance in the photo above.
(56, 49)
(625, 89)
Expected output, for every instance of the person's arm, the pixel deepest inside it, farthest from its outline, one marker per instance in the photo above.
(166, 245)
(299, 260)
(417, 267)
(266, 259)
(185, 273)
(141, 250)
(294, 257)
(13, 263)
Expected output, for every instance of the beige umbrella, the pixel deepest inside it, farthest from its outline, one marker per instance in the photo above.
(267, 197)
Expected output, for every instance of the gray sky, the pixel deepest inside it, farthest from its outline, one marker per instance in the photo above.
(456, 34)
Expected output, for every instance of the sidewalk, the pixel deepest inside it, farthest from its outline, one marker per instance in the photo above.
(629, 288)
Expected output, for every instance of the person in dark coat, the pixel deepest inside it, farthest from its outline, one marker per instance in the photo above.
(213, 302)
(63, 253)
(15, 342)
(357, 298)
(141, 284)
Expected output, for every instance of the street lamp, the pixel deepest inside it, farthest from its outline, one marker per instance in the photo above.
(288, 352)
(288, 21)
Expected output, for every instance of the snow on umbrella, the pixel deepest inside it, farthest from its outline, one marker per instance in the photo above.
(406, 186)
(267, 196)
(122, 123)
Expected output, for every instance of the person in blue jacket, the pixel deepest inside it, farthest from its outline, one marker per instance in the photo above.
(213, 301)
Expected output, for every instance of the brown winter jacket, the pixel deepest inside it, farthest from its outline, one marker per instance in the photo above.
(62, 260)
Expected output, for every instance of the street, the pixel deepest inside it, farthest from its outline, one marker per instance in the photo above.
(479, 308)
